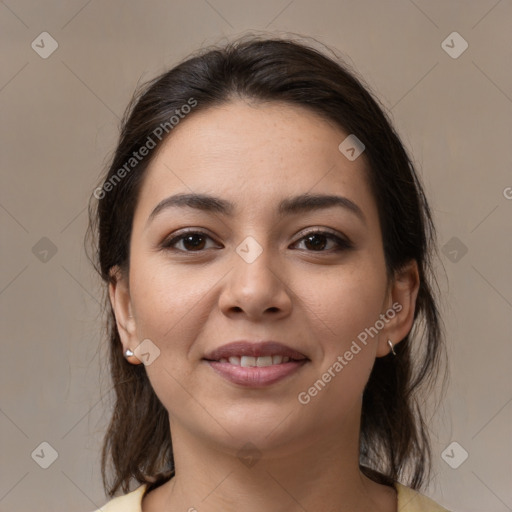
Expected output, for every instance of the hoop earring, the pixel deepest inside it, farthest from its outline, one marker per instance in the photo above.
(391, 346)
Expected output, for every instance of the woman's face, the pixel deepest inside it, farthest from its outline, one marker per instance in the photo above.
(254, 274)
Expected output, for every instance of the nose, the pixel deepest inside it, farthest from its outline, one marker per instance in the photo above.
(256, 288)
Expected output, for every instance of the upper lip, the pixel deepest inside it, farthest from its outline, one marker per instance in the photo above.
(254, 349)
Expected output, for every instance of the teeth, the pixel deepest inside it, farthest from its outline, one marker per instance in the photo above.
(246, 361)
(264, 361)
(250, 361)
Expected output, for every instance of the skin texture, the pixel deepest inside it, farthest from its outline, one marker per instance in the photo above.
(316, 300)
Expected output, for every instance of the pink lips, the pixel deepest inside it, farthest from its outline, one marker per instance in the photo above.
(254, 349)
(255, 376)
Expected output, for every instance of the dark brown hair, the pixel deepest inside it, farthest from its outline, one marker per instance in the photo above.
(394, 438)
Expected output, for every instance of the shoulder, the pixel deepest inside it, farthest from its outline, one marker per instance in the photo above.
(408, 501)
(130, 502)
(411, 501)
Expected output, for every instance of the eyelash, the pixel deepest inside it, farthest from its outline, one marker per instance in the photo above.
(342, 244)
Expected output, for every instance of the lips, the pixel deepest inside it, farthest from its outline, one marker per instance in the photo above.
(255, 364)
(253, 352)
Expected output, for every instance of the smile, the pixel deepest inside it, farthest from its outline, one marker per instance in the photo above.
(249, 361)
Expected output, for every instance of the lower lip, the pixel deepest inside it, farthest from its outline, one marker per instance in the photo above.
(256, 376)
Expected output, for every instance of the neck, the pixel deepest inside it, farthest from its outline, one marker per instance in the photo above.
(318, 471)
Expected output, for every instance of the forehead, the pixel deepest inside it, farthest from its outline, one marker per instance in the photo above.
(254, 154)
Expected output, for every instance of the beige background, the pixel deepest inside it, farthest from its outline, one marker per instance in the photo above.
(59, 126)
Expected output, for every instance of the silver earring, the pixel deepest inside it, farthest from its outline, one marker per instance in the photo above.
(391, 347)
(128, 353)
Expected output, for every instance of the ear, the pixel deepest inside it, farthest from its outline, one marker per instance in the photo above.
(400, 305)
(119, 294)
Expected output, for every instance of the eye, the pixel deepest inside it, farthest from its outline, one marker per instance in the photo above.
(315, 241)
(192, 241)
(318, 240)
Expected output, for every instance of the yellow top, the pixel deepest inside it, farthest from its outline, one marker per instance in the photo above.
(408, 501)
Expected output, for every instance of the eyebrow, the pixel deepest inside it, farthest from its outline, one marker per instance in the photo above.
(292, 205)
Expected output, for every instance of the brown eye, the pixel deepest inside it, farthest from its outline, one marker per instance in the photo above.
(192, 241)
(317, 241)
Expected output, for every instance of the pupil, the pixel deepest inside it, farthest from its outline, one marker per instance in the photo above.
(188, 243)
(316, 245)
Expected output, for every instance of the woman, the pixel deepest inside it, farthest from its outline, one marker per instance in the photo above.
(267, 249)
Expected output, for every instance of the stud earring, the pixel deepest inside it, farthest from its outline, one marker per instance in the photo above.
(391, 346)
(131, 357)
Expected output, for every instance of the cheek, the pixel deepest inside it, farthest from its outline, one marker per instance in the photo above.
(347, 302)
(345, 350)
(345, 311)
(170, 307)
(168, 303)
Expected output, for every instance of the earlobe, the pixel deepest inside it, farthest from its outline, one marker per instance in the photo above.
(402, 301)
